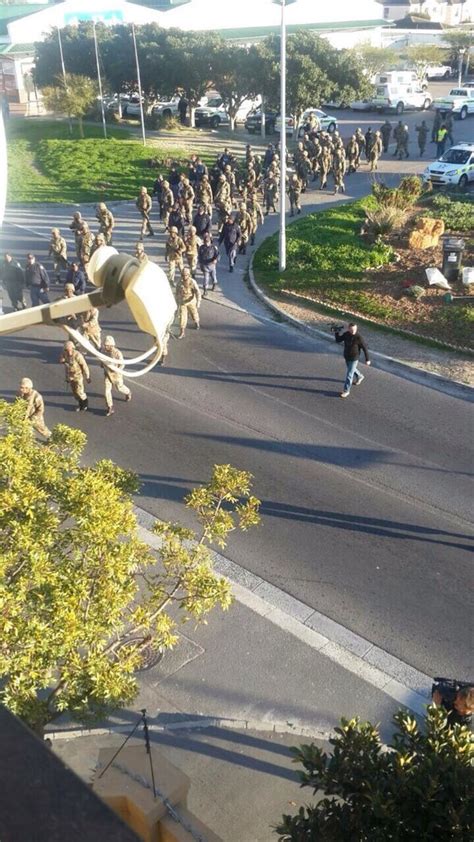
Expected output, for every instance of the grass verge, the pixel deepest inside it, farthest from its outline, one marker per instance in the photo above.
(46, 164)
(330, 263)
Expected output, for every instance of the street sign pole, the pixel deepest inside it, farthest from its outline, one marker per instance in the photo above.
(142, 119)
(104, 124)
(63, 68)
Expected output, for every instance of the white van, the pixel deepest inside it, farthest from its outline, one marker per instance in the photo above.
(400, 97)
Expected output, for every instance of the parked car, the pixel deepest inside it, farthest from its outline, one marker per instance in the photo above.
(327, 123)
(132, 107)
(253, 123)
(455, 167)
(362, 105)
(400, 98)
(166, 108)
(214, 113)
(439, 71)
(459, 100)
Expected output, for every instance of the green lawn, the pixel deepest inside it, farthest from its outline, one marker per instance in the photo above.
(327, 259)
(46, 165)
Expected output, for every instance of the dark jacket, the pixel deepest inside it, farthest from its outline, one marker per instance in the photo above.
(202, 224)
(207, 254)
(12, 275)
(176, 218)
(353, 345)
(36, 276)
(230, 234)
(78, 279)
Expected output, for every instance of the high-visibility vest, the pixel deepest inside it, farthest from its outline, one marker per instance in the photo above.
(441, 135)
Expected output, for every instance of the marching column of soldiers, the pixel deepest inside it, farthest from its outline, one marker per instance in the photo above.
(240, 194)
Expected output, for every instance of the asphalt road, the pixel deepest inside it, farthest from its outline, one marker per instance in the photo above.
(366, 503)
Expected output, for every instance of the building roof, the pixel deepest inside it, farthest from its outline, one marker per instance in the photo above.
(256, 32)
(16, 11)
(16, 49)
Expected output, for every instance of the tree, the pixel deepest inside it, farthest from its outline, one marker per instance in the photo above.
(460, 39)
(83, 599)
(73, 95)
(421, 788)
(421, 56)
(374, 59)
(78, 50)
(236, 73)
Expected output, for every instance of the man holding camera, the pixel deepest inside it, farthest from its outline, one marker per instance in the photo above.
(353, 345)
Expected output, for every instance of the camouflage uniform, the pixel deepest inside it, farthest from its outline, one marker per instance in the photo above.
(204, 195)
(34, 412)
(324, 166)
(99, 240)
(422, 132)
(187, 196)
(244, 221)
(375, 151)
(192, 243)
(361, 144)
(112, 377)
(304, 170)
(144, 204)
(386, 132)
(58, 250)
(256, 213)
(222, 201)
(400, 134)
(174, 251)
(106, 222)
(90, 327)
(188, 299)
(84, 244)
(294, 193)
(352, 154)
(76, 370)
(166, 202)
(140, 253)
(339, 168)
(270, 193)
(76, 226)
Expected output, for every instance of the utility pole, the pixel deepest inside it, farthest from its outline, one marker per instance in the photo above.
(104, 124)
(63, 67)
(142, 119)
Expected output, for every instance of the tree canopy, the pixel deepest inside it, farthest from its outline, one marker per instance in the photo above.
(420, 788)
(73, 95)
(82, 597)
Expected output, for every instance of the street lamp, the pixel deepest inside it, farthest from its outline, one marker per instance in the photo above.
(282, 242)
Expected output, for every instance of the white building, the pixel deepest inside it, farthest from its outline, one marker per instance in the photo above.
(446, 12)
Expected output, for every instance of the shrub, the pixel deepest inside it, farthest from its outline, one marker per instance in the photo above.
(402, 197)
(416, 291)
(383, 220)
(457, 215)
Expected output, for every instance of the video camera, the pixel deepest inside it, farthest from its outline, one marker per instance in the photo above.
(449, 688)
(336, 328)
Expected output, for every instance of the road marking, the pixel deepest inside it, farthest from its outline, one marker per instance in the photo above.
(403, 683)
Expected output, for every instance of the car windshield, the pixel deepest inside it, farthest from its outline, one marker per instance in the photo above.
(214, 103)
(456, 156)
(458, 92)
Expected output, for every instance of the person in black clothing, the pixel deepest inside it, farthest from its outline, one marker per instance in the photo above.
(176, 219)
(369, 142)
(37, 280)
(208, 255)
(459, 707)
(13, 279)
(77, 278)
(202, 222)
(353, 345)
(182, 109)
(230, 235)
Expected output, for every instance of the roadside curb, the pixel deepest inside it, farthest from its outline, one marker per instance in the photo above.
(353, 653)
(391, 364)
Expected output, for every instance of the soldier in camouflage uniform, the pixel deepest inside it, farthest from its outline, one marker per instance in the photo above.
(359, 136)
(244, 221)
(256, 214)
(352, 154)
(90, 327)
(34, 412)
(270, 192)
(144, 204)
(339, 168)
(140, 253)
(187, 196)
(76, 226)
(174, 251)
(386, 133)
(422, 132)
(304, 171)
(113, 377)
(325, 161)
(106, 222)
(375, 151)
(99, 240)
(222, 201)
(188, 299)
(58, 251)
(192, 243)
(204, 195)
(166, 202)
(84, 245)
(400, 134)
(294, 194)
(76, 370)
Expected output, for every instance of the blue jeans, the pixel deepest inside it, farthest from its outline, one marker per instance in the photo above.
(352, 371)
(38, 296)
(232, 254)
(209, 272)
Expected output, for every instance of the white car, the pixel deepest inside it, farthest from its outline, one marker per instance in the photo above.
(438, 71)
(327, 123)
(400, 98)
(214, 113)
(459, 100)
(167, 108)
(455, 167)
